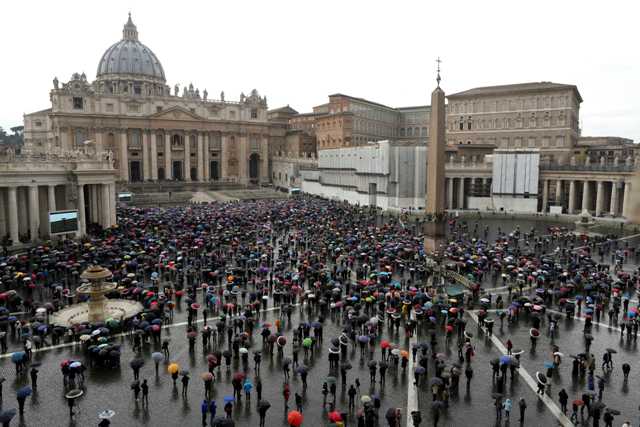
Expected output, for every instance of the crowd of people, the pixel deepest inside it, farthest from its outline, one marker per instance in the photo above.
(337, 281)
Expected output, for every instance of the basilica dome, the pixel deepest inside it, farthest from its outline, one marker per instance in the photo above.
(131, 58)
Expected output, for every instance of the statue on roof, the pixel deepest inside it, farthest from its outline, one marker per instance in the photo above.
(176, 90)
(55, 83)
(222, 96)
(205, 94)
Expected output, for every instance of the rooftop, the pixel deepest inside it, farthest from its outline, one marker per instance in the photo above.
(519, 87)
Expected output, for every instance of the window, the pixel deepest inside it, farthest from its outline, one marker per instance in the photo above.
(109, 108)
(133, 108)
(232, 114)
(158, 109)
(254, 113)
(77, 103)
(469, 125)
(38, 123)
(137, 90)
(461, 125)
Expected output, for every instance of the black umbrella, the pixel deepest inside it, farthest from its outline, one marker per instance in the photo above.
(496, 395)
(383, 363)
(436, 381)
(610, 350)
(372, 363)
(136, 363)
(6, 416)
(222, 422)
(598, 405)
(263, 404)
(437, 405)
(613, 411)
(495, 361)
(391, 414)
(346, 366)
(542, 379)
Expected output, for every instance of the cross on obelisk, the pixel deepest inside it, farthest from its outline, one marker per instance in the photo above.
(438, 61)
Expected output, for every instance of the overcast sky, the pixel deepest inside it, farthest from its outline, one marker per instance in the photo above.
(298, 52)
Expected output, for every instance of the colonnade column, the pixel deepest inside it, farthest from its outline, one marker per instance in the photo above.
(599, 197)
(106, 208)
(461, 194)
(51, 196)
(82, 220)
(167, 157)
(450, 193)
(34, 212)
(12, 200)
(112, 204)
(154, 157)
(146, 167)
(124, 156)
(585, 196)
(187, 158)
(626, 200)
(614, 198)
(572, 197)
(200, 157)
(559, 192)
(545, 195)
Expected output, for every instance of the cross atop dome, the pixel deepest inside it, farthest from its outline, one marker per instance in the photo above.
(130, 32)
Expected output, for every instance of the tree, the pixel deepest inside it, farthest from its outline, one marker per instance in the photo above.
(16, 139)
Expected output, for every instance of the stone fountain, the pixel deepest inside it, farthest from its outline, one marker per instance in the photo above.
(585, 223)
(99, 308)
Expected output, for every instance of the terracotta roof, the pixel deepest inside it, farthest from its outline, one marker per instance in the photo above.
(519, 87)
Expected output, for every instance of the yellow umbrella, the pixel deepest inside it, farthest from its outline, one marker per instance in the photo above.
(173, 368)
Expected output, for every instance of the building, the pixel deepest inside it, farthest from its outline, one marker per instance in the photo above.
(542, 115)
(154, 132)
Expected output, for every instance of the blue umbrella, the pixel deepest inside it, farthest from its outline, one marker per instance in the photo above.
(505, 360)
(24, 391)
(228, 399)
(419, 370)
(363, 339)
(548, 365)
(17, 356)
(6, 416)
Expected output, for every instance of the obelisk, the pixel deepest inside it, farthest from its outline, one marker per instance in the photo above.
(434, 226)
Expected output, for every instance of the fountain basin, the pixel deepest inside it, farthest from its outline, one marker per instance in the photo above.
(119, 309)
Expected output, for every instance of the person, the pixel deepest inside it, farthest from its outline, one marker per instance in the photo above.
(104, 423)
(507, 405)
(165, 348)
(352, 396)
(564, 398)
(416, 417)
(145, 392)
(262, 411)
(247, 386)
(285, 394)
(608, 419)
(298, 399)
(468, 372)
(325, 392)
(523, 407)
(212, 410)
(34, 378)
(228, 407)
(498, 404)
(21, 400)
(136, 390)
(204, 409)
(259, 389)
(626, 368)
(185, 384)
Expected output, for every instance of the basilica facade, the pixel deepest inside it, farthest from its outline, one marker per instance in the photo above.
(151, 131)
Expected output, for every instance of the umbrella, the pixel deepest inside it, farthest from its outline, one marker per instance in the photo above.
(294, 418)
(173, 368)
(438, 404)
(17, 356)
(207, 376)
(136, 363)
(365, 399)
(542, 379)
(436, 381)
(223, 422)
(331, 380)
(6, 416)
(243, 350)
(335, 416)
(419, 370)
(228, 399)
(74, 394)
(496, 395)
(372, 363)
(24, 391)
(157, 357)
(106, 414)
(345, 365)
(264, 404)
(613, 411)
(578, 402)
(505, 360)
(610, 350)
(302, 369)
(184, 372)
(75, 365)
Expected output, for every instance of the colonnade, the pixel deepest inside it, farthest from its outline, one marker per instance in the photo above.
(458, 188)
(24, 209)
(596, 196)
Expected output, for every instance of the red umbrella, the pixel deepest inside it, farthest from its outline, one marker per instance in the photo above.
(195, 306)
(295, 419)
(385, 344)
(335, 416)
(238, 376)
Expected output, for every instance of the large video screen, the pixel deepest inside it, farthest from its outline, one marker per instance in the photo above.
(62, 222)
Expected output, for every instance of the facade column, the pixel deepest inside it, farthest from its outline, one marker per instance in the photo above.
(614, 198)
(626, 200)
(112, 204)
(224, 170)
(586, 196)
(99, 141)
(200, 157)
(599, 197)
(146, 166)
(243, 149)
(168, 173)
(154, 157)
(545, 195)
(124, 156)
(205, 157)
(12, 200)
(82, 220)
(572, 197)
(51, 195)
(450, 193)
(106, 209)
(187, 158)
(559, 192)
(34, 213)
(461, 194)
